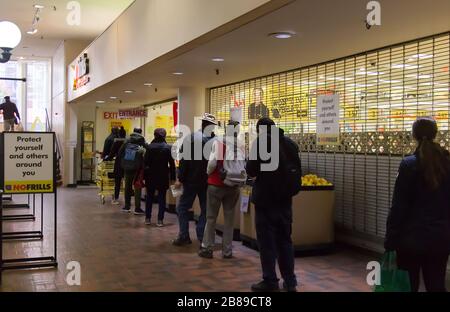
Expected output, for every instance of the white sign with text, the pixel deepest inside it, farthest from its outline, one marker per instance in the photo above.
(328, 119)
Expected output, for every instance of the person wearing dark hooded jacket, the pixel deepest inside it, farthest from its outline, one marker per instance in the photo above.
(418, 225)
(131, 158)
(273, 206)
(159, 172)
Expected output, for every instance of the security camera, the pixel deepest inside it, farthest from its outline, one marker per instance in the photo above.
(368, 26)
(217, 72)
(156, 90)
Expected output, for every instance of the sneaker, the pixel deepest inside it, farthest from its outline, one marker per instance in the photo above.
(289, 288)
(205, 253)
(160, 223)
(229, 256)
(115, 202)
(181, 241)
(126, 210)
(148, 222)
(139, 212)
(264, 286)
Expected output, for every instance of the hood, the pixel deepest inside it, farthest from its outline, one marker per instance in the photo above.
(136, 138)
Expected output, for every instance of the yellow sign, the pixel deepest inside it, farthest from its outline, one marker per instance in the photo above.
(27, 187)
(125, 123)
(165, 122)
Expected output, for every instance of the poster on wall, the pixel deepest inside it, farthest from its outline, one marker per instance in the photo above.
(165, 122)
(29, 163)
(118, 123)
(328, 119)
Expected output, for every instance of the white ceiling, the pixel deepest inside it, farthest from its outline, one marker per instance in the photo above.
(327, 29)
(96, 16)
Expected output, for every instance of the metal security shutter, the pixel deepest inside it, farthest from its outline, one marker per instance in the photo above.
(382, 93)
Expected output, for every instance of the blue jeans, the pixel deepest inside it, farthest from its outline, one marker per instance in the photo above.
(273, 230)
(185, 204)
(161, 202)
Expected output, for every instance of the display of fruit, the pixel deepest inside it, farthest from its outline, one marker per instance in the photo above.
(314, 180)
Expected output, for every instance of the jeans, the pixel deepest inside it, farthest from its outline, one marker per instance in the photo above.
(273, 230)
(217, 196)
(117, 184)
(161, 201)
(185, 204)
(129, 179)
(433, 266)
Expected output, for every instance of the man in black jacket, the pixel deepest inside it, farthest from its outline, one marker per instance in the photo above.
(193, 177)
(10, 113)
(159, 167)
(109, 142)
(273, 207)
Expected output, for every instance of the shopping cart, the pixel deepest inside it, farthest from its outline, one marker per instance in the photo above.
(105, 179)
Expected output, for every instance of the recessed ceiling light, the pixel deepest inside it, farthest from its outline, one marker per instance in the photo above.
(178, 73)
(218, 59)
(148, 84)
(100, 102)
(282, 35)
(128, 91)
(21, 58)
(32, 32)
(113, 97)
(38, 6)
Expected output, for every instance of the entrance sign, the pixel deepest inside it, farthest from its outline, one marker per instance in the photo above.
(132, 113)
(328, 120)
(29, 163)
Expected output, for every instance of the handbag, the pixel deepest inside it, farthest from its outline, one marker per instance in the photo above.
(139, 179)
(392, 278)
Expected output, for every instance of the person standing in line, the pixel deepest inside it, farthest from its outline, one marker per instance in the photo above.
(223, 191)
(159, 171)
(272, 196)
(118, 172)
(131, 157)
(109, 142)
(10, 113)
(193, 178)
(418, 225)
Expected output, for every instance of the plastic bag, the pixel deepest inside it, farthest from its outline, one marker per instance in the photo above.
(392, 278)
(176, 191)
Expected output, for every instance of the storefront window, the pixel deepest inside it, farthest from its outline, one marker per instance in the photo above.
(35, 91)
(381, 94)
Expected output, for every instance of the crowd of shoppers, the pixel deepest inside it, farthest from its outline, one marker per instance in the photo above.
(418, 226)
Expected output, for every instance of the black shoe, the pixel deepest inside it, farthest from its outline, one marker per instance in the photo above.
(139, 212)
(205, 253)
(181, 241)
(264, 286)
(127, 210)
(289, 288)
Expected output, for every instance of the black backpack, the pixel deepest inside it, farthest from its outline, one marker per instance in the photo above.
(291, 169)
(133, 157)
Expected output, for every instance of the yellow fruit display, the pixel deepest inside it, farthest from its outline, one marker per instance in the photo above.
(314, 180)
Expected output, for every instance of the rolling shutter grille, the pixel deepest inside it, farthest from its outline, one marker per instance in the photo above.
(382, 93)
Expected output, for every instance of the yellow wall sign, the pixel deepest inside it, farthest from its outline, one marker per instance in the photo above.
(125, 123)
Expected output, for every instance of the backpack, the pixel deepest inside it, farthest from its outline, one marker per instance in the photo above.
(133, 157)
(291, 169)
(233, 171)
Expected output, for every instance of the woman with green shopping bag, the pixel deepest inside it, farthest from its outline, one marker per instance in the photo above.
(418, 226)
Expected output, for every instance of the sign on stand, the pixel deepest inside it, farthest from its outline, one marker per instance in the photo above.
(29, 163)
(28, 166)
(328, 120)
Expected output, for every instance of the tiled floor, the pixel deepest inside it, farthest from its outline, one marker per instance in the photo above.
(117, 252)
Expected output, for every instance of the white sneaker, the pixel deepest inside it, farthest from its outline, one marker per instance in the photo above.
(115, 202)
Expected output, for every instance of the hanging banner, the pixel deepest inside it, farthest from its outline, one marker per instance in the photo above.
(328, 120)
(29, 163)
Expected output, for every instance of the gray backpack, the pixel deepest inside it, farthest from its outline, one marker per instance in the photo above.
(233, 171)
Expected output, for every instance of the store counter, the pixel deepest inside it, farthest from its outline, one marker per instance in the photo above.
(313, 220)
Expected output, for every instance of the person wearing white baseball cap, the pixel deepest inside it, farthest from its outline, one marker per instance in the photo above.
(192, 175)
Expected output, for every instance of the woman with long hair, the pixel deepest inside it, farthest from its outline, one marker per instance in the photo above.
(418, 226)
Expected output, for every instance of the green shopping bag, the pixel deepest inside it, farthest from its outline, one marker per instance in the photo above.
(392, 279)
